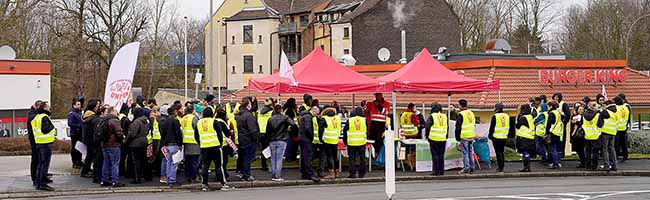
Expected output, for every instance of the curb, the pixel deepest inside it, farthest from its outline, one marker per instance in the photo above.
(262, 184)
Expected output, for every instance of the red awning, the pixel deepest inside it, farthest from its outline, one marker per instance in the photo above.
(318, 73)
(426, 74)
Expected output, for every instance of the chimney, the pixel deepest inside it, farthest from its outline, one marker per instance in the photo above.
(403, 60)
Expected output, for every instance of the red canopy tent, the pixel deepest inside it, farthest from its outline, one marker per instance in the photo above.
(318, 73)
(426, 74)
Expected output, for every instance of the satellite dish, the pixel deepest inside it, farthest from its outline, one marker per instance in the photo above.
(383, 54)
(7, 53)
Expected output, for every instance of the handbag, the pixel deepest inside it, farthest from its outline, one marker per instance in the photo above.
(381, 158)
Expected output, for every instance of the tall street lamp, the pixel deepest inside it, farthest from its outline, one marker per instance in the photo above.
(185, 49)
(627, 38)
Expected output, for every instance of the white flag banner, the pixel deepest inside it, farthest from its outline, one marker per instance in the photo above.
(604, 93)
(120, 75)
(286, 71)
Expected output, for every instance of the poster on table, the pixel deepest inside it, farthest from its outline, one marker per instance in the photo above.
(453, 155)
(120, 75)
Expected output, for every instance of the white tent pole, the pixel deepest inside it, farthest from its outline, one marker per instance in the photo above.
(449, 106)
(390, 152)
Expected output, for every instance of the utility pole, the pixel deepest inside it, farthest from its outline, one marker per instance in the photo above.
(185, 48)
(210, 90)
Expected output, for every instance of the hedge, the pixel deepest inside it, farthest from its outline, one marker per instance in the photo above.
(639, 141)
(20, 146)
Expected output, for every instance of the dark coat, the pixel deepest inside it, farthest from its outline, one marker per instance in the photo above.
(524, 144)
(249, 131)
(115, 134)
(90, 121)
(74, 122)
(138, 130)
(277, 129)
(306, 129)
(170, 131)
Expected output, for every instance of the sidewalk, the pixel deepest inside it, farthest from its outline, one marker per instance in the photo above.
(15, 181)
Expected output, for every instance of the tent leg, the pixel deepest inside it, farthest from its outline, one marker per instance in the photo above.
(390, 152)
(449, 106)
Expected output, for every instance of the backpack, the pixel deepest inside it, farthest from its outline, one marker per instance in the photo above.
(101, 131)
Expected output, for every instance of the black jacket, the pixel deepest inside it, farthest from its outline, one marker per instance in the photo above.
(277, 128)
(30, 132)
(459, 126)
(428, 125)
(74, 122)
(47, 125)
(249, 131)
(170, 131)
(306, 129)
(90, 122)
(138, 130)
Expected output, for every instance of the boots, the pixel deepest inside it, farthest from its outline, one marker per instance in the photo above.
(526, 165)
(330, 175)
(337, 173)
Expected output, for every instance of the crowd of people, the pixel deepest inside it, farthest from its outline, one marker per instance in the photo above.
(141, 138)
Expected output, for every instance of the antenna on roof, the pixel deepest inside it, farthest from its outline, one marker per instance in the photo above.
(7, 53)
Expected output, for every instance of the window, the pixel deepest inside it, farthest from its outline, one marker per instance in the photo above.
(346, 32)
(248, 33)
(248, 64)
(259, 38)
(346, 51)
(233, 70)
(224, 50)
(260, 70)
(233, 40)
(322, 47)
(304, 20)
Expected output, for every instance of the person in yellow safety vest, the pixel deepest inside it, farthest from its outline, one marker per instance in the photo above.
(465, 134)
(525, 139)
(555, 129)
(44, 136)
(437, 130)
(211, 100)
(318, 147)
(499, 130)
(126, 166)
(623, 116)
(263, 116)
(409, 122)
(289, 109)
(190, 145)
(307, 103)
(609, 134)
(330, 140)
(577, 133)
(306, 139)
(211, 139)
(541, 147)
(591, 124)
(227, 150)
(354, 136)
(232, 110)
(566, 117)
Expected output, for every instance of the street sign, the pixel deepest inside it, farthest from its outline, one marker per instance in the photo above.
(197, 78)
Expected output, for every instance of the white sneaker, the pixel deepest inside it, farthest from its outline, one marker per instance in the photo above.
(277, 179)
(205, 188)
(226, 188)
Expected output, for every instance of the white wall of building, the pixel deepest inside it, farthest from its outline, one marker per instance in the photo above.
(20, 91)
(261, 52)
(340, 43)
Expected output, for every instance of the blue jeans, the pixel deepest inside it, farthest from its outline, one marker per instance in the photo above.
(248, 154)
(44, 152)
(468, 153)
(171, 167)
(540, 146)
(111, 164)
(277, 152)
(556, 145)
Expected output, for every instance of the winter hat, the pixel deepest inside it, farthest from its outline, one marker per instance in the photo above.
(209, 98)
(163, 109)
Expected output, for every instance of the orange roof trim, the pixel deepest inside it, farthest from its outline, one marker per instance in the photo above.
(511, 63)
(25, 67)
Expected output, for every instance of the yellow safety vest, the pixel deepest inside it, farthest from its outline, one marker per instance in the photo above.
(525, 131)
(592, 132)
(224, 142)
(230, 111)
(39, 136)
(610, 124)
(314, 122)
(333, 130)
(149, 135)
(307, 108)
(207, 133)
(438, 131)
(357, 131)
(502, 126)
(540, 129)
(558, 128)
(156, 130)
(121, 116)
(262, 120)
(188, 129)
(468, 130)
(560, 106)
(235, 132)
(407, 124)
(623, 114)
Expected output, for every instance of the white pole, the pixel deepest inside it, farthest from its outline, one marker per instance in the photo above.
(185, 49)
(390, 152)
(449, 106)
(212, 58)
(196, 90)
(219, 64)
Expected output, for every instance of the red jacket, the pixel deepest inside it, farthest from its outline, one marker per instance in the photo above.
(372, 111)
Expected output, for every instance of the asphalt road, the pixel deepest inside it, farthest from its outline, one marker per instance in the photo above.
(565, 188)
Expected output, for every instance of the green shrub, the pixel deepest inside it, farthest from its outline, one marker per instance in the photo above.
(20, 146)
(639, 141)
